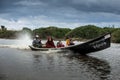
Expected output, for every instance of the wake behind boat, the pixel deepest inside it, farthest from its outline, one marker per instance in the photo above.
(97, 44)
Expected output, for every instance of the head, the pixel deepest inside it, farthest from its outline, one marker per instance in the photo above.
(36, 36)
(50, 38)
(59, 40)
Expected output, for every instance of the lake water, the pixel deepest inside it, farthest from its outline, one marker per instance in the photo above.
(18, 62)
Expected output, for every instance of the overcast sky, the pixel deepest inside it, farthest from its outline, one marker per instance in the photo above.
(16, 14)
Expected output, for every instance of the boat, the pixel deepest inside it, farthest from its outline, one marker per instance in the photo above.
(100, 43)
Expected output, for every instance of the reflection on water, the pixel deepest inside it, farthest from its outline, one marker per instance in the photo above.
(3, 77)
(30, 65)
(97, 67)
(76, 67)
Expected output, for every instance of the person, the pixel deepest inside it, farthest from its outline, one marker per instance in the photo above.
(69, 41)
(37, 42)
(50, 43)
(60, 44)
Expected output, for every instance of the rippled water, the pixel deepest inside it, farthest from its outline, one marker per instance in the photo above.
(24, 64)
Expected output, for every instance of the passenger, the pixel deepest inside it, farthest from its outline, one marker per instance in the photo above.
(60, 44)
(37, 42)
(67, 41)
(50, 43)
(71, 42)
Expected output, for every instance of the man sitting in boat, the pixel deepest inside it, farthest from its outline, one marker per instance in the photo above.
(37, 42)
(60, 44)
(50, 43)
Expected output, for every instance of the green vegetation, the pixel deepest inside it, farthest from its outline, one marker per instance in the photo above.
(52, 31)
(116, 36)
(4, 33)
(79, 33)
(7, 34)
(85, 32)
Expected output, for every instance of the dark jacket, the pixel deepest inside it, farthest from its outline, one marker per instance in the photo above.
(37, 43)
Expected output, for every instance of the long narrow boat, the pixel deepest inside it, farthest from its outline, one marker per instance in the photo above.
(97, 44)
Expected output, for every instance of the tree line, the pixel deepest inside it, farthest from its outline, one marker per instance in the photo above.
(81, 33)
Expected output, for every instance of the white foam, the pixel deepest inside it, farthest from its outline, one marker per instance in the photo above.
(22, 41)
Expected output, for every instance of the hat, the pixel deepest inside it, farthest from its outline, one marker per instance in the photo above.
(36, 35)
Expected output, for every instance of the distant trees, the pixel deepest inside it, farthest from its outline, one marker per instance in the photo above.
(3, 28)
(116, 36)
(26, 30)
(80, 33)
(87, 32)
(4, 33)
(51, 31)
(91, 31)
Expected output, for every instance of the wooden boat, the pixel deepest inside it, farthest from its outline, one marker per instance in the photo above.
(97, 44)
